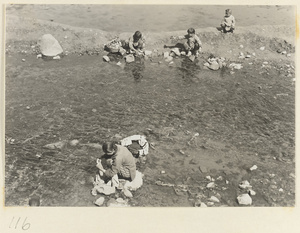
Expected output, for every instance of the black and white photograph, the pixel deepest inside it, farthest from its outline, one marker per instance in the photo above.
(156, 105)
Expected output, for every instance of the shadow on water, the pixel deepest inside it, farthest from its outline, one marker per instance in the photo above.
(189, 70)
(136, 68)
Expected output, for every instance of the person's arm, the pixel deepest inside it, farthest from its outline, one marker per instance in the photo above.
(114, 168)
(233, 22)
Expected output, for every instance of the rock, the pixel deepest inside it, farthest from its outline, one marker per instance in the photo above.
(214, 199)
(119, 64)
(127, 193)
(148, 52)
(94, 192)
(23, 60)
(129, 58)
(214, 66)
(210, 203)
(166, 54)
(162, 172)
(106, 58)
(280, 190)
(56, 145)
(265, 63)
(27, 107)
(210, 185)
(169, 59)
(49, 46)
(244, 199)
(283, 52)
(105, 189)
(252, 192)
(192, 57)
(56, 58)
(245, 184)
(254, 167)
(235, 66)
(208, 178)
(248, 56)
(203, 169)
(99, 201)
(206, 64)
(74, 142)
(288, 55)
(262, 48)
(176, 51)
(39, 56)
(241, 46)
(203, 205)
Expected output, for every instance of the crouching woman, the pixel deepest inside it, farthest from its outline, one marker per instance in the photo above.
(120, 161)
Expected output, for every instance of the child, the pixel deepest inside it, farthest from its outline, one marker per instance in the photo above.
(135, 44)
(120, 161)
(193, 44)
(228, 23)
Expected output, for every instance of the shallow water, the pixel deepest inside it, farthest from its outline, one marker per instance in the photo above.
(154, 18)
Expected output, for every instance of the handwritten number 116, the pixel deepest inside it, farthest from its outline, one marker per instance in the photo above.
(25, 226)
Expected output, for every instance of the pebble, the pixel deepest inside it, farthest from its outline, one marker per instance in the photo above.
(119, 63)
(244, 199)
(288, 55)
(27, 107)
(74, 142)
(23, 60)
(252, 192)
(106, 58)
(99, 201)
(210, 185)
(254, 167)
(283, 52)
(94, 110)
(39, 56)
(245, 184)
(163, 172)
(241, 46)
(248, 56)
(214, 199)
(208, 178)
(280, 190)
(210, 203)
(203, 205)
(262, 48)
(56, 58)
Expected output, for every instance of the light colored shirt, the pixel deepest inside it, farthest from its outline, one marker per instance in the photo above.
(124, 158)
(229, 21)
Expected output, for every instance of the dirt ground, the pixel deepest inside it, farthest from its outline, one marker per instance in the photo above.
(242, 117)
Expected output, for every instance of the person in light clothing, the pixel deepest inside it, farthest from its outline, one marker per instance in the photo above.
(120, 162)
(228, 22)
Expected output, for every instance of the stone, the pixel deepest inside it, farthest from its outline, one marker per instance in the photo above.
(106, 58)
(99, 201)
(127, 193)
(166, 54)
(23, 60)
(74, 142)
(252, 192)
(210, 203)
(208, 178)
(245, 185)
(203, 169)
(262, 48)
(214, 66)
(56, 145)
(203, 205)
(176, 51)
(210, 185)
(49, 46)
(244, 199)
(248, 56)
(214, 199)
(241, 46)
(39, 56)
(147, 52)
(129, 58)
(169, 59)
(254, 167)
(56, 58)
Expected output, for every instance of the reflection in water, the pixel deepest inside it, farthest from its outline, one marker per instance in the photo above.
(136, 68)
(189, 70)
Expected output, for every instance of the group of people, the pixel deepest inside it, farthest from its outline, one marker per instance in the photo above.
(118, 159)
(192, 46)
